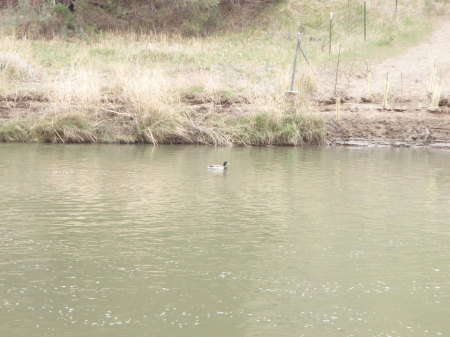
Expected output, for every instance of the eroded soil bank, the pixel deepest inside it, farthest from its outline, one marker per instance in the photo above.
(416, 109)
(357, 124)
(370, 127)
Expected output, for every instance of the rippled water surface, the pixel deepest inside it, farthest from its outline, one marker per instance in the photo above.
(142, 241)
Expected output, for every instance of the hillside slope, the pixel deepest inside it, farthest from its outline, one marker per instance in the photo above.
(225, 87)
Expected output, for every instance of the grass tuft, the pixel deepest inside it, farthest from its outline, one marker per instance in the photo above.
(12, 66)
(14, 130)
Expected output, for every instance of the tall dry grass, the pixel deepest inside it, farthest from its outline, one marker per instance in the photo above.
(220, 89)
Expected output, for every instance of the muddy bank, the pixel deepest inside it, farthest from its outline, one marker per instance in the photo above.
(400, 101)
(357, 124)
(370, 125)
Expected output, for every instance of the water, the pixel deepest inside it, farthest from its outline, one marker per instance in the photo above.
(143, 241)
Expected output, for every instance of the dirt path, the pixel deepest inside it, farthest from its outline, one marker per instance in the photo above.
(406, 119)
(415, 67)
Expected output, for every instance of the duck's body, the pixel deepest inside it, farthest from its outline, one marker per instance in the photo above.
(218, 167)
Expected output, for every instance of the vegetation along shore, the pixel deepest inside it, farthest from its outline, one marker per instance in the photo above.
(219, 72)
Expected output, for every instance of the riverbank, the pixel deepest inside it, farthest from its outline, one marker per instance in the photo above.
(223, 122)
(389, 128)
(402, 100)
(28, 119)
(221, 89)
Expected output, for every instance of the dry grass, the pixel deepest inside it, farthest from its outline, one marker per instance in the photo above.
(222, 89)
(13, 67)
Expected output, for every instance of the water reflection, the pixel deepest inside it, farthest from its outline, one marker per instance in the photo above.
(132, 240)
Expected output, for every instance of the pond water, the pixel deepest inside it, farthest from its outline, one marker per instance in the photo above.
(114, 240)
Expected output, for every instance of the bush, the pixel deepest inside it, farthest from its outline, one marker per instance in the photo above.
(189, 17)
(186, 17)
(62, 11)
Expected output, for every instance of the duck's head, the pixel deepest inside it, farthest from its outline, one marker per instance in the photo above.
(225, 163)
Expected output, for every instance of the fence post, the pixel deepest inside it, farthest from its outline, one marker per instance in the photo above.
(365, 21)
(337, 71)
(294, 68)
(386, 92)
(331, 32)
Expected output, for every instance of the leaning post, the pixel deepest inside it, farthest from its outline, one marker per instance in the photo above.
(294, 68)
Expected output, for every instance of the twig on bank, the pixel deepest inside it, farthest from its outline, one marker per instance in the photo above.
(53, 127)
(119, 113)
(97, 123)
(35, 124)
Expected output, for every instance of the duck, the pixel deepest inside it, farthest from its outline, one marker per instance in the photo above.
(219, 167)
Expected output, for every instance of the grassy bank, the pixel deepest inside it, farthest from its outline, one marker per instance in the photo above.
(76, 127)
(225, 88)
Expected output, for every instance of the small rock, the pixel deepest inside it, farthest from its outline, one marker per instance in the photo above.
(366, 100)
(444, 102)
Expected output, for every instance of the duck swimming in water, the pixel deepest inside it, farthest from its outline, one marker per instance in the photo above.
(219, 167)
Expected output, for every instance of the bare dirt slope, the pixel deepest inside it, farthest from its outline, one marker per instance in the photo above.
(408, 118)
(415, 67)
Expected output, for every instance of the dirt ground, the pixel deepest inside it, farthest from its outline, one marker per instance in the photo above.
(408, 118)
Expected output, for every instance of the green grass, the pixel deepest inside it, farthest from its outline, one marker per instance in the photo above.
(235, 78)
(260, 129)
